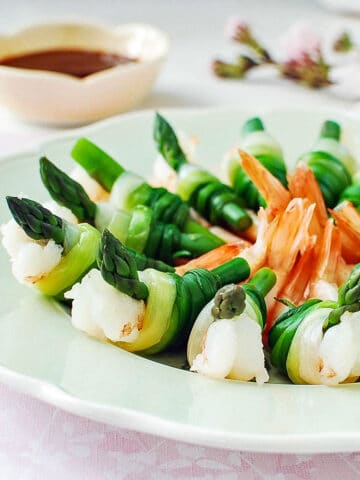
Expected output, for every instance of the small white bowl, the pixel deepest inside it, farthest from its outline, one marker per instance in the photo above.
(56, 98)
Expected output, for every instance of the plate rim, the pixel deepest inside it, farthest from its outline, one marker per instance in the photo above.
(124, 417)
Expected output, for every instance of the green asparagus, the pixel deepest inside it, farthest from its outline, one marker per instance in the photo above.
(214, 200)
(259, 143)
(330, 162)
(226, 339)
(137, 229)
(79, 244)
(129, 190)
(299, 327)
(192, 292)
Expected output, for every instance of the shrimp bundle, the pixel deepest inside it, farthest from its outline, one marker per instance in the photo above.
(319, 341)
(160, 306)
(128, 190)
(46, 251)
(214, 200)
(225, 340)
(270, 262)
(137, 228)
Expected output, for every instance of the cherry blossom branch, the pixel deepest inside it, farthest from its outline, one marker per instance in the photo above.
(303, 63)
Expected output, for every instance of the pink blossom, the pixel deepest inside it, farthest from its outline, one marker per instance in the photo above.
(236, 27)
(300, 42)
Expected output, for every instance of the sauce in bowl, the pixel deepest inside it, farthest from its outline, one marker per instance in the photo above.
(75, 62)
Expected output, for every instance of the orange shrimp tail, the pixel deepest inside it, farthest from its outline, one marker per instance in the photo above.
(343, 271)
(291, 236)
(348, 220)
(275, 194)
(295, 285)
(290, 240)
(303, 184)
(251, 233)
(216, 257)
(256, 253)
(297, 282)
(329, 255)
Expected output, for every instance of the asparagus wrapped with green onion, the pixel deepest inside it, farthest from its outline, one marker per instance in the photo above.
(352, 192)
(145, 311)
(319, 341)
(214, 200)
(137, 228)
(259, 143)
(45, 250)
(129, 190)
(226, 339)
(331, 163)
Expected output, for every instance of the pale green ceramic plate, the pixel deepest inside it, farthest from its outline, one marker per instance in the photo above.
(42, 355)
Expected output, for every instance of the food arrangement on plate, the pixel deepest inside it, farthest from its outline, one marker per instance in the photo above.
(262, 264)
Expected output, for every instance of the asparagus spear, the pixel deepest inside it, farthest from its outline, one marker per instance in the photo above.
(79, 244)
(330, 163)
(308, 325)
(192, 292)
(230, 301)
(137, 229)
(37, 221)
(214, 200)
(119, 268)
(259, 143)
(129, 190)
(67, 192)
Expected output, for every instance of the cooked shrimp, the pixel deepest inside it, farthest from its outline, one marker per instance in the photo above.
(290, 238)
(323, 282)
(348, 220)
(255, 253)
(91, 186)
(291, 235)
(295, 289)
(303, 184)
(275, 194)
(251, 233)
(216, 257)
(343, 271)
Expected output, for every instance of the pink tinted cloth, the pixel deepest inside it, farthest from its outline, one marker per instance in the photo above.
(40, 442)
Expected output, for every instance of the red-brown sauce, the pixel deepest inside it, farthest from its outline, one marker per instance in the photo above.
(78, 63)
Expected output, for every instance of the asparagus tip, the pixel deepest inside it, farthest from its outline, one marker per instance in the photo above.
(229, 302)
(37, 221)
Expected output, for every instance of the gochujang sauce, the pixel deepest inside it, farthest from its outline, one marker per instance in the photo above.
(78, 63)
